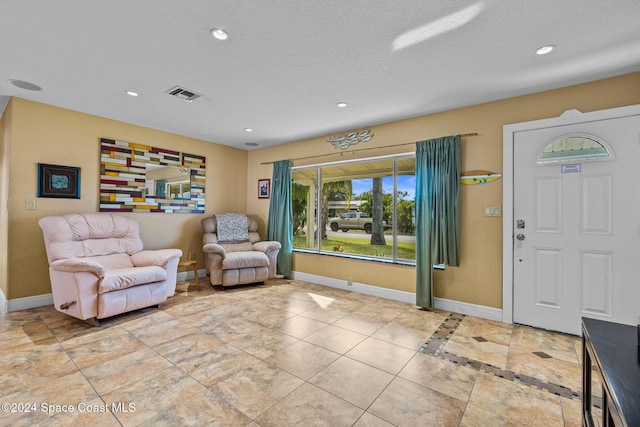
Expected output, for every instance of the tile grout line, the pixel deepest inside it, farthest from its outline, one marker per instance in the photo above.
(434, 346)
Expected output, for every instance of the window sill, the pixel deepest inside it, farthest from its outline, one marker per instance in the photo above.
(363, 258)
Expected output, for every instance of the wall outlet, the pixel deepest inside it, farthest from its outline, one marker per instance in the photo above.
(30, 204)
(192, 256)
(349, 281)
(493, 210)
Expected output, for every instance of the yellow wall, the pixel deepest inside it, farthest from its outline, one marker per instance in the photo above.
(478, 280)
(40, 133)
(32, 133)
(5, 135)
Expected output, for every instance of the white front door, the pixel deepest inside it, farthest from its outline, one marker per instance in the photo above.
(576, 228)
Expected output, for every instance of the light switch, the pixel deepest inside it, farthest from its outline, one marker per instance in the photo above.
(493, 210)
(30, 204)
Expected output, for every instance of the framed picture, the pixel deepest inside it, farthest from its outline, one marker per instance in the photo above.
(264, 188)
(58, 181)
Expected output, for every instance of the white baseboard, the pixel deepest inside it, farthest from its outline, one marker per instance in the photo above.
(466, 308)
(25, 303)
(47, 299)
(357, 287)
(3, 303)
(188, 275)
(481, 311)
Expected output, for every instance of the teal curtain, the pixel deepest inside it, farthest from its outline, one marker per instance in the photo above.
(280, 224)
(437, 208)
(161, 187)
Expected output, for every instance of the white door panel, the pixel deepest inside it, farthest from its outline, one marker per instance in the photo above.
(548, 205)
(596, 205)
(548, 277)
(579, 251)
(596, 282)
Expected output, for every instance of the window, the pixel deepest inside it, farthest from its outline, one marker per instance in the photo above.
(361, 208)
(574, 148)
(179, 190)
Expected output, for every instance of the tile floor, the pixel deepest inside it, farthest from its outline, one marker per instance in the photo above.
(282, 354)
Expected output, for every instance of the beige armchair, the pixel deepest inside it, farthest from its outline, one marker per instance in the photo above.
(234, 254)
(99, 268)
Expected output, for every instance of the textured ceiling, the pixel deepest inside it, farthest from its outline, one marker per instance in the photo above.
(288, 62)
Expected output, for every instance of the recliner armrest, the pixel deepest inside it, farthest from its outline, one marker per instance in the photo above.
(266, 246)
(74, 265)
(159, 257)
(214, 248)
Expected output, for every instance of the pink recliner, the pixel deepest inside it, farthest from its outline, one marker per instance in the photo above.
(98, 267)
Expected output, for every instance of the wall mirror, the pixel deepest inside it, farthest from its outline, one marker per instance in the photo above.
(141, 178)
(168, 181)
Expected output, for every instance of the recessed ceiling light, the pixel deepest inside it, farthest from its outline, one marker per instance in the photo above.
(24, 85)
(131, 93)
(251, 144)
(543, 50)
(219, 34)
(342, 104)
(248, 130)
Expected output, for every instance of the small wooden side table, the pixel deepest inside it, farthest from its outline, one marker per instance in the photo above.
(191, 263)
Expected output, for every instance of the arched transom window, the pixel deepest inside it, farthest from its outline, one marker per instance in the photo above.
(574, 148)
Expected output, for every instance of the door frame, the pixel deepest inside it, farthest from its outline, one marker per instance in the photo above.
(569, 117)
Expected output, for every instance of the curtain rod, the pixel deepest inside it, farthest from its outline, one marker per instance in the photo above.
(357, 151)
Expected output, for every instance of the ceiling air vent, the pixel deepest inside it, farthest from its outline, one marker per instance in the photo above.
(183, 93)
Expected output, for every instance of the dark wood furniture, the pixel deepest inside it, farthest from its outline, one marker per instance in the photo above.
(611, 349)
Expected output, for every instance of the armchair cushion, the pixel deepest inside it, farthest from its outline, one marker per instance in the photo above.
(213, 248)
(266, 246)
(123, 278)
(245, 260)
(91, 234)
(159, 257)
(111, 261)
(75, 265)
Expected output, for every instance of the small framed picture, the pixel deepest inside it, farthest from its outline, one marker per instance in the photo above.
(58, 181)
(264, 188)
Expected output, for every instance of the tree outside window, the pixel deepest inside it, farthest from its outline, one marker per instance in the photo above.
(379, 193)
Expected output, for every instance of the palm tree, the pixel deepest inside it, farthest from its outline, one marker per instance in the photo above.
(299, 194)
(377, 229)
(405, 213)
(367, 205)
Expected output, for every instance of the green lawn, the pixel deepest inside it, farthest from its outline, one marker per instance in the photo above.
(360, 247)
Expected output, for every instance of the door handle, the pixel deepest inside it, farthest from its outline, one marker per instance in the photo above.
(520, 236)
